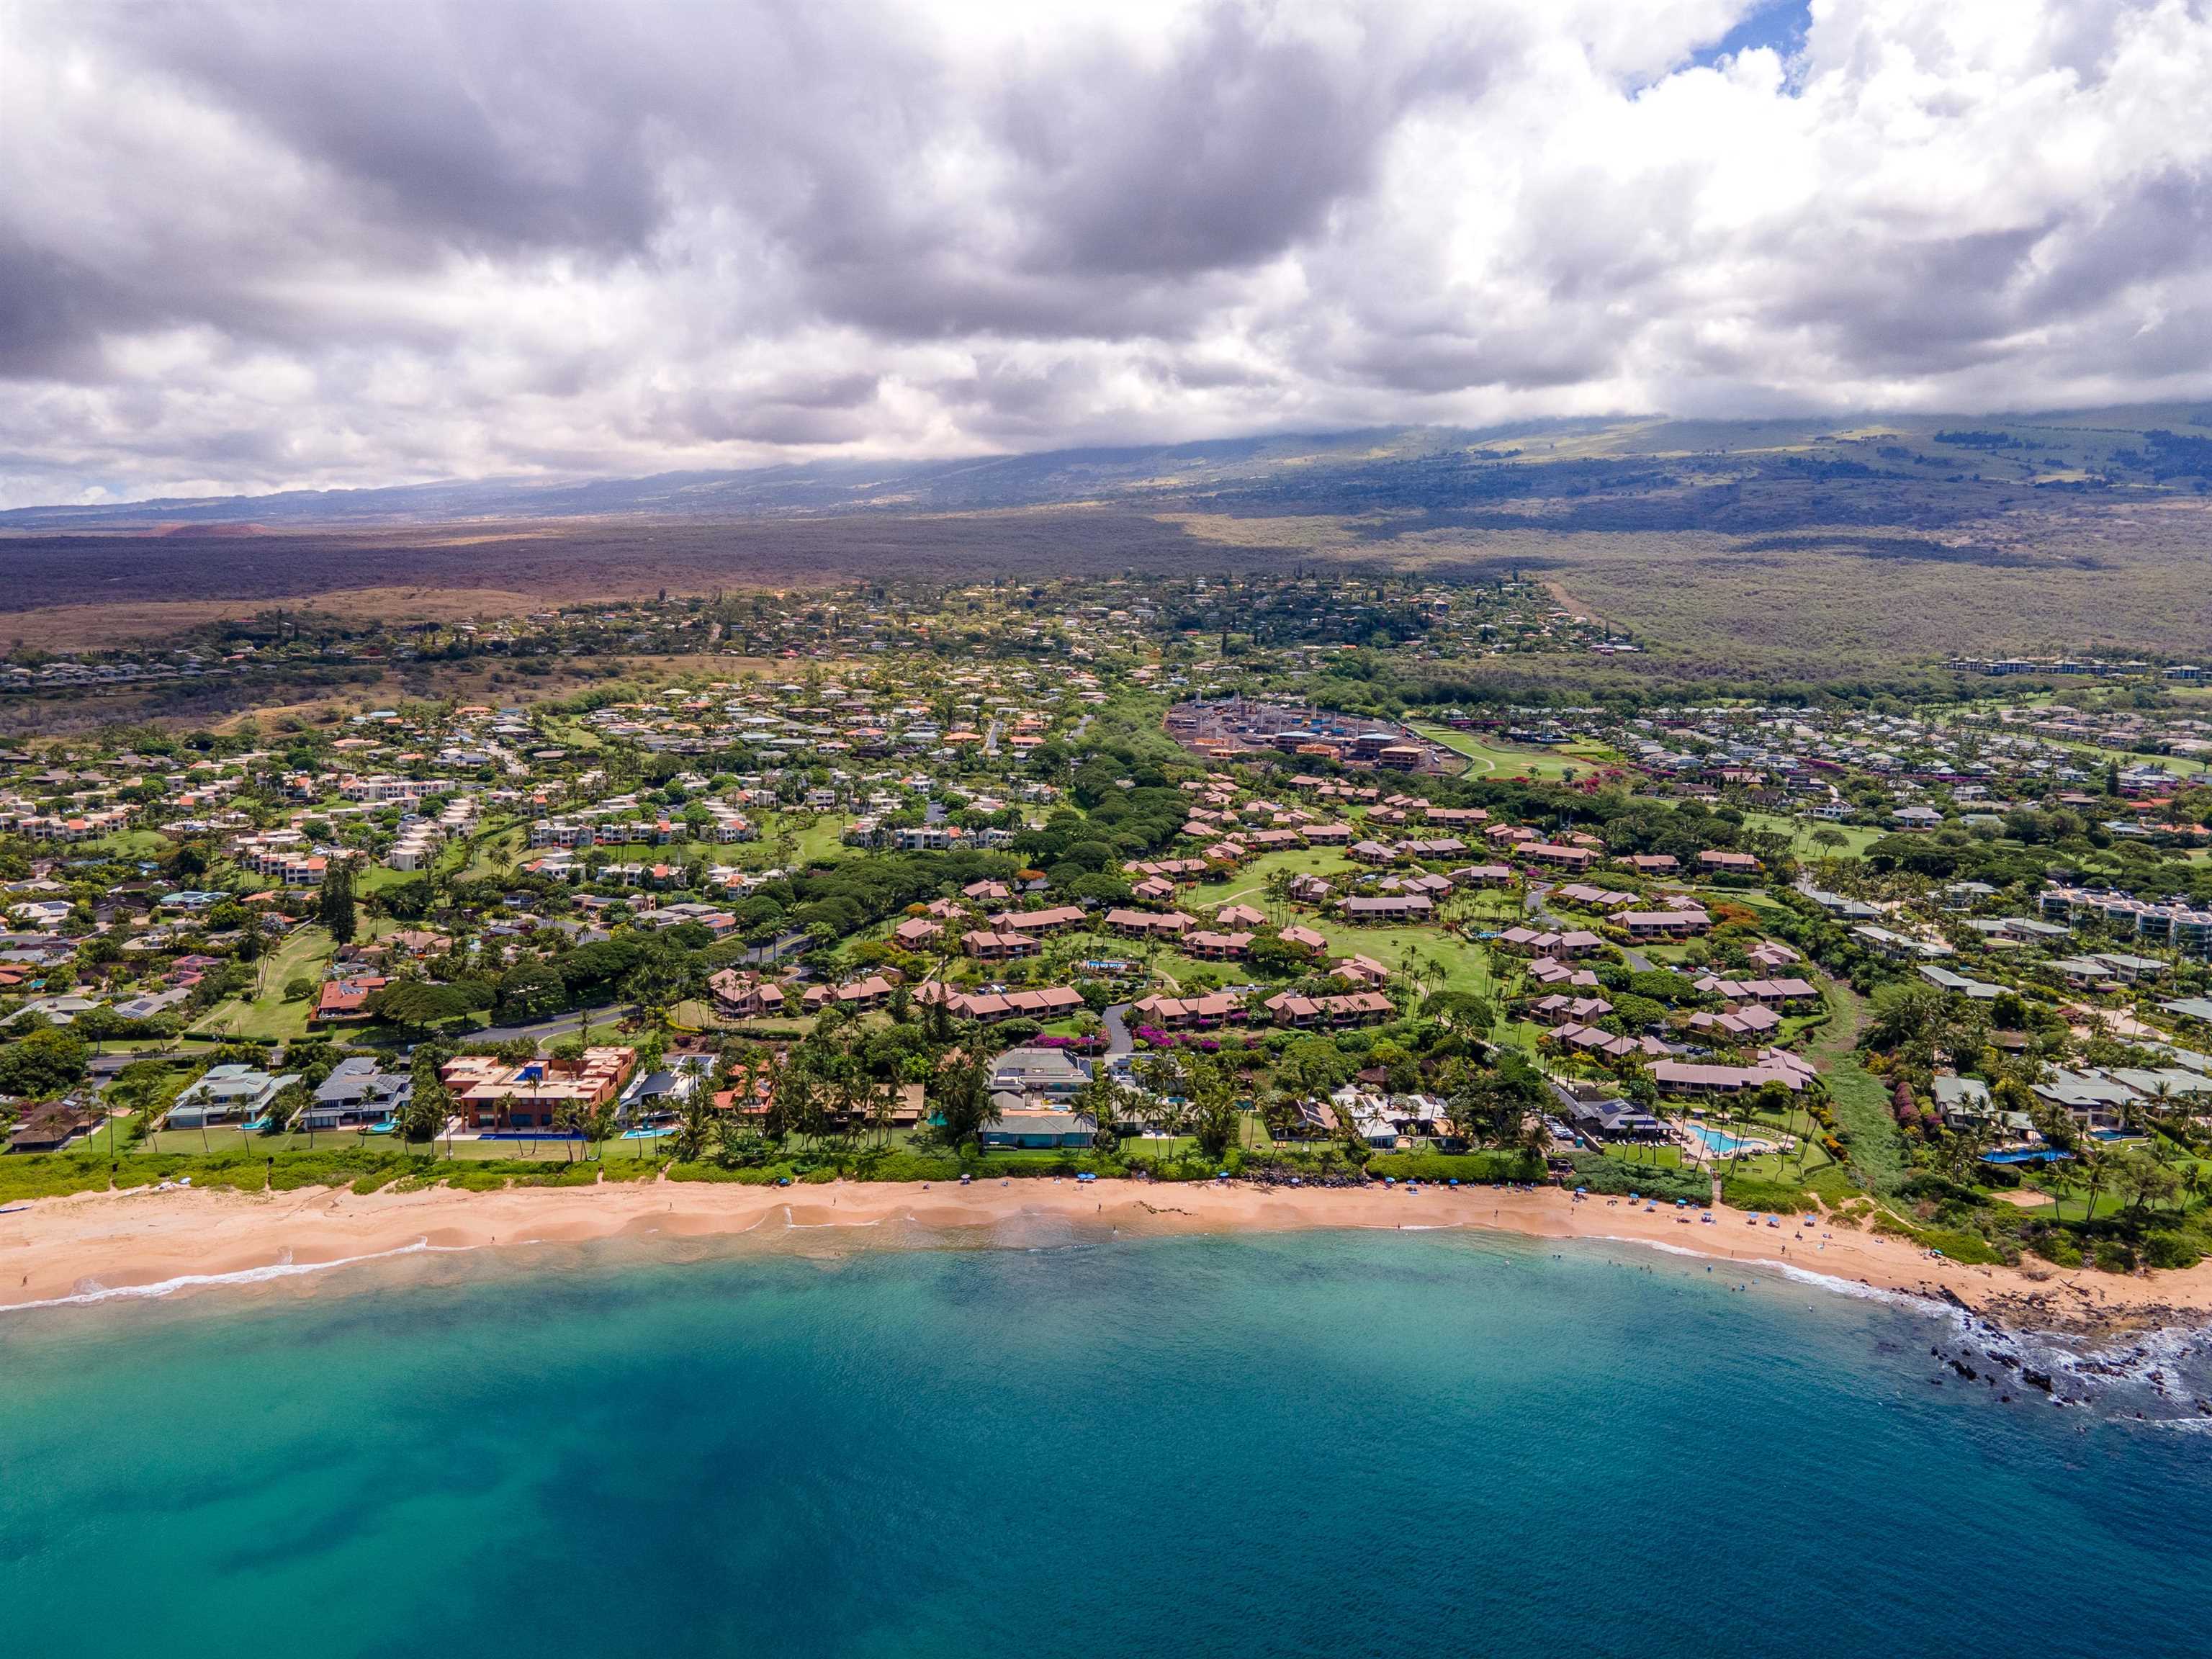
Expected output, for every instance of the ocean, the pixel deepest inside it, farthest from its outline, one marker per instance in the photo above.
(1321, 1443)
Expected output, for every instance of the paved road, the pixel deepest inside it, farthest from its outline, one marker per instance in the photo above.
(1118, 1040)
(553, 1029)
(1636, 960)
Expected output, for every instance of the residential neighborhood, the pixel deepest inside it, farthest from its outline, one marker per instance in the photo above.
(1053, 874)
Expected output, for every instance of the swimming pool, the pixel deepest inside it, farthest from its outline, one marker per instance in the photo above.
(1716, 1141)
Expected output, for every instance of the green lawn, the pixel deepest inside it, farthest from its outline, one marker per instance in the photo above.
(305, 953)
(1490, 759)
(493, 850)
(1751, 898)
(1651, 1156)
(1862, 1107)
(228, 1138)
(1857, 837)
(698, 1015)
(1465, 964)
(1249, 884)
(814, 835)
(131, 844)
(1448, 960)
(2180, 765)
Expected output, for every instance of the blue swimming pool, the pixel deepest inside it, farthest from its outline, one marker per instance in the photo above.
(1716, 1141)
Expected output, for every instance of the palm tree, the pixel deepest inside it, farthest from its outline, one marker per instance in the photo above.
(569, 1121)
(597, 1125)
(2092, 1167)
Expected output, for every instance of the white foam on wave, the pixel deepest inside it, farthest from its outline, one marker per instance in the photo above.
(1670, 1250)
(1864, 1292)
(1411, 1226)
(812, 1226)
(275, 1270)
(1789, 1270)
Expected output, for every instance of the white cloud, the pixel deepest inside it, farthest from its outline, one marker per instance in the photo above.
(252, 246)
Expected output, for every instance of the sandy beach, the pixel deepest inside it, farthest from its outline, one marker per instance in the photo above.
(90, 1245)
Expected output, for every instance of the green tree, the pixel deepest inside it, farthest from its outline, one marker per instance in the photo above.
(660, 978)
(1104, 1100)
(1492, 1107)
(46, 1061)
(569, 1119)
(419, 1004)
(2143, 1178)
(284, 1108)
(738, 1143)
(429, 1103)
(137, 1089)
(694, 1124)
(1461, 1011)
(599, 1124)
(1215, 1114)
(960, 1099)
(335, 909)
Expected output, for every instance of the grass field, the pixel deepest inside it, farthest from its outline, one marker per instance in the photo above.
(1446, 960)
(229, 1138)
(1250, 882)
(131, 844)
(814, 835)
(495, 850)
(1487, 758)
(2180, 765)
(1466, 965)
(1857, 837)
(304, 954)
(698, 1015)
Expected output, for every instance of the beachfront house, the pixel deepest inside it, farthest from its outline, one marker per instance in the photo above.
(1036, 1128)
(1042, 1075)
(533, 1097)
(357, 1094)
(225, 1094)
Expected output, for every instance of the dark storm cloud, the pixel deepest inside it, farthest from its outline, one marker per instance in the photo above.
(479, 126)
(53, 309)
(250, 245)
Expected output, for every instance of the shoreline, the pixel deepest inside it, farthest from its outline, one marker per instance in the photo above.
(93, 1247)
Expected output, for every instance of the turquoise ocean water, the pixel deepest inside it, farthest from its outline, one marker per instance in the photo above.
(1317, 1444)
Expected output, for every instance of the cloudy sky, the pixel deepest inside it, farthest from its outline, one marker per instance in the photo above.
(250, 246)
